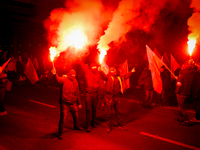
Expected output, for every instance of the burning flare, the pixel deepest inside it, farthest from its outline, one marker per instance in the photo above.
(53, 53)
(102, 54)
(191, 45)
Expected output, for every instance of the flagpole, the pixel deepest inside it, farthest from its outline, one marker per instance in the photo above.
(169, 70)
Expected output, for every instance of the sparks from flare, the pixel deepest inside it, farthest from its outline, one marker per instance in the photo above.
(191, 45)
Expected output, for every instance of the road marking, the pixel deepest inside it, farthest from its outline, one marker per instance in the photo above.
(170, 141)
(168, 107)
(42, 103)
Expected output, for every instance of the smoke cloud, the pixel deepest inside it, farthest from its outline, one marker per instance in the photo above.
(130, 15)
(82, 16)
(194, 20)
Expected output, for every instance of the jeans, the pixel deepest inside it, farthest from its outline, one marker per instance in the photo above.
(182, 111)
(64, 108)
(197, 109)
(113, 103)
(91, 106)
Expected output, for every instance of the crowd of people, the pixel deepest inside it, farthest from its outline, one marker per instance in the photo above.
(105, 88)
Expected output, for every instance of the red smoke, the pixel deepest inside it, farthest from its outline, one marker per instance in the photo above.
(79, 21)
(194, 20)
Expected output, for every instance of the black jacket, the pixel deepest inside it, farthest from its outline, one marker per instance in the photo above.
(185, 78)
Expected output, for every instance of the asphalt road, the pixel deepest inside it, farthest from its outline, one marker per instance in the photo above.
(33, 115)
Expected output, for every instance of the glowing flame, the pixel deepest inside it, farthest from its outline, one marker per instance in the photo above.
(75, 38)
(102, 54)
(53, 52)
(191, 45)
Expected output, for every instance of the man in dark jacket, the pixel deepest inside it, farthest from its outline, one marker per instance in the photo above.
(69, 100)
(112, 91)
(145, 79)
(183, 88)
(93, 80)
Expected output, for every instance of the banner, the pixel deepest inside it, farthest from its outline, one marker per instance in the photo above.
(30, 72)
(154, 65)
(174, 65)
(165, 60)
(123, 69)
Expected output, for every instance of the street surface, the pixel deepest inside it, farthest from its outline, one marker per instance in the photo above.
(33, 115)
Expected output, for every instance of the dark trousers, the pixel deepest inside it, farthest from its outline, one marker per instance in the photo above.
(2, 98)
(64, 108)
(2, 108)
(165, 97)
(113, 103)
(182, 112)
(148, 97)
(91, 107)
(197, 108)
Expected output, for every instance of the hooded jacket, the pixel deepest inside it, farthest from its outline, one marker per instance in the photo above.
(184, 81)
(69, 90)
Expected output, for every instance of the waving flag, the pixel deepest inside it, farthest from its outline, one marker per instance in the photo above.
(123, 69)
(165, 60)
(157, 53)
(174, 64)
(30, 72)
(154, 65)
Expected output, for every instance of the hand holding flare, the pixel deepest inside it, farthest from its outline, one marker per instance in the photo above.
(53, 54)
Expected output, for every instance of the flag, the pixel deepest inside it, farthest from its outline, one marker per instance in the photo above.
(30, 72)
(36, 64)
(165, 60)
(20, 58)
(104, 67)
(123, 69)
(5, 64)
(157, 53)
(174, 65)
(154, 65)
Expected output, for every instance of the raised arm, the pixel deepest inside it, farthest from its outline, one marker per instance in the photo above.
(128, 74)
(60, 80)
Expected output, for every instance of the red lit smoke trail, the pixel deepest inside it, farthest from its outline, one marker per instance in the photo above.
(75, 27)
(87, 17)
(130, 14)
(194, 20)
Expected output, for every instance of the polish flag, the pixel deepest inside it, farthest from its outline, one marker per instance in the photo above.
(174, 65)
(165, 60)
(154, 65)
(123, 69)
(30, 72)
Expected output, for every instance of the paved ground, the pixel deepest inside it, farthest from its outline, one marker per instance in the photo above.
(33, 115)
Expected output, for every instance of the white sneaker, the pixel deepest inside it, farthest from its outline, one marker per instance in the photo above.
(3, 113)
